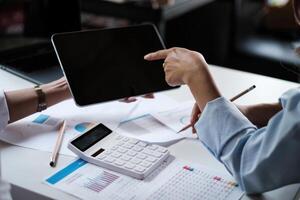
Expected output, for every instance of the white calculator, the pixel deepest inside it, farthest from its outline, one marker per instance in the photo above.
(103, 147)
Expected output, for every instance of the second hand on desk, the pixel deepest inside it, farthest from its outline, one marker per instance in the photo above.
(232, 99)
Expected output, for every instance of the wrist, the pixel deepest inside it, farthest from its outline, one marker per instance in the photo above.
(56, 92)
(198, 73)
(203, 88)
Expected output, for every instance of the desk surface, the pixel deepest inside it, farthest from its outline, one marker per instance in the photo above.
(27, 168)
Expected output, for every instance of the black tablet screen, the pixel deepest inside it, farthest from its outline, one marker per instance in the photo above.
(108, 64)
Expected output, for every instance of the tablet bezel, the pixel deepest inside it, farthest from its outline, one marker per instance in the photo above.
(79, 103)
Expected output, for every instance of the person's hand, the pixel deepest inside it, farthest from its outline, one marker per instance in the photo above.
(260, 114)
(183, 66)
(133, 99)
(180, 64)
(195, 116)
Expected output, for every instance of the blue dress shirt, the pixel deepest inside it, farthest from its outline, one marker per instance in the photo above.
(259, 159)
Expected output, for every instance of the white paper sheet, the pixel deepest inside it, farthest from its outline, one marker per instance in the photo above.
(162, 125)
(43, 135)
(88, 181)
(161, 102)
(148, 129)
(177, 117)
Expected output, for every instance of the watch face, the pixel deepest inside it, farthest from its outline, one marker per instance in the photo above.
(42, 105)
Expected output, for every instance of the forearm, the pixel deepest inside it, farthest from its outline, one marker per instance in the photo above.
(260, 114)
(22, 103)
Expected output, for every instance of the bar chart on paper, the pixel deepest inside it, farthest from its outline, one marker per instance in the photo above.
(195, 183)
(100, 182)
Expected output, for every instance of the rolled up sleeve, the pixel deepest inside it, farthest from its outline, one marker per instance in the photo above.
(257, 158)
(220, 122)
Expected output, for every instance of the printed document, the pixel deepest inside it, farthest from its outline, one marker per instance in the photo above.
(177, 117)
(40, 131)
(174, 180)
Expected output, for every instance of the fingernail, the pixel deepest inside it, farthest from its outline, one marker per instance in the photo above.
(147, 56)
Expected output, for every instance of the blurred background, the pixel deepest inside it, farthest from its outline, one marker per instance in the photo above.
(258, 36)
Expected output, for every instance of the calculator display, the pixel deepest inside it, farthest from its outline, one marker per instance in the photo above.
(91, 137)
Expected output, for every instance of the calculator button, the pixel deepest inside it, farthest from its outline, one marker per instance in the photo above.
(128, 145)
(145, 164)
(139, 169)
(107, 152)
(109, 160)
(119, 137)
(126, 158)
(129, 165)
(157, 155)
(152, 147)
(121, 150)
(116, 155)
(151, 159)
(114, 148)
(137, 148)
(142, 144)
(133, 141)
(162, 150)
(148, 152)
(152, 153)
(119, 162)
(131, 153)
(141, 156)
(101, 157)
(136, 161)
(120, 143)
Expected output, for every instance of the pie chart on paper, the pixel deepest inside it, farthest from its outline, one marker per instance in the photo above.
(82, 126)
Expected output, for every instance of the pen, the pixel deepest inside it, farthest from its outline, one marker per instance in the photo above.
(232, 99)
(58, 144)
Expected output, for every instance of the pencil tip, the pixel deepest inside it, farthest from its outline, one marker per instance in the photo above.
(52, 164)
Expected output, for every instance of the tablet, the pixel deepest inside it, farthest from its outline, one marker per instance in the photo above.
(108, 64)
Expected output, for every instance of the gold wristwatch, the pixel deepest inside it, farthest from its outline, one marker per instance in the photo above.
(42, 105)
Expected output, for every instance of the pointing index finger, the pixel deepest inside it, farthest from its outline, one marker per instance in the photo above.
(158, 55)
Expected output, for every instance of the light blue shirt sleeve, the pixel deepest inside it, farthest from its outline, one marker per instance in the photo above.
(260, 159)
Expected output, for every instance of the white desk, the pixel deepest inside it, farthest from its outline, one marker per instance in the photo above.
(27, 168)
